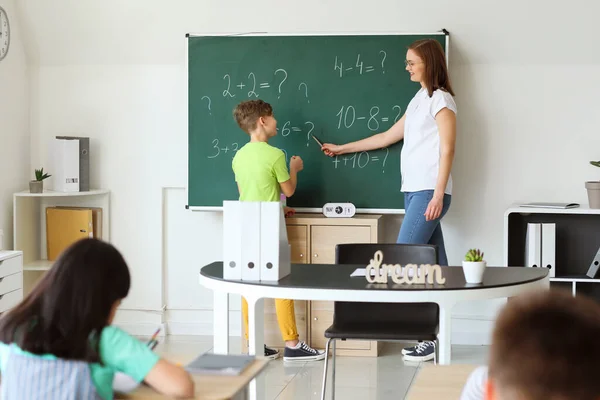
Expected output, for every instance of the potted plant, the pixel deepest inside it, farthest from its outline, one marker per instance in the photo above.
(37, 185)
(593, 189)
(474, 266)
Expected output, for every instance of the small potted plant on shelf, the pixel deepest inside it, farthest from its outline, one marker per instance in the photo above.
(474, 266)
(37, 185)
(593, 189)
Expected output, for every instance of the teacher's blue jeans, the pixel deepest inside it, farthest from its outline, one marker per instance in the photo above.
(416, 230)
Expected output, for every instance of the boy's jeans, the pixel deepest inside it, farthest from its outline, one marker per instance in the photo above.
(415, 229)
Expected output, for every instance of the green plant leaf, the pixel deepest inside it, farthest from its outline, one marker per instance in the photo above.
(595, 163)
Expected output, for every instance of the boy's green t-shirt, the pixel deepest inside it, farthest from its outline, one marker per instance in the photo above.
(119, 352)
(259, 168)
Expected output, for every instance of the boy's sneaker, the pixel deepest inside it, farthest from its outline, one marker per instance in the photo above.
(408, 350)
(302, 352)
(424, 351)
(271, 353)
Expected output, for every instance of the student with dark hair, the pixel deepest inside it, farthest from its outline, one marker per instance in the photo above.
(59, 343)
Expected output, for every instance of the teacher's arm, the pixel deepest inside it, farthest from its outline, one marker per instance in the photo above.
(446, 122)
(378, 141)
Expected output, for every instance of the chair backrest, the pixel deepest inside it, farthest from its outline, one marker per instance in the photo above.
(393, 253)
(25, 377)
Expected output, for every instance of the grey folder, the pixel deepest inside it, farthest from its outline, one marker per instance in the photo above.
(219, 364)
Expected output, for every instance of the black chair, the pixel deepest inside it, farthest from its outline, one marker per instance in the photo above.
(382, 321)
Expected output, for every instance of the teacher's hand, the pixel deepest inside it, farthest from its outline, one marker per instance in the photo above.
(331, 149)
(434, 209)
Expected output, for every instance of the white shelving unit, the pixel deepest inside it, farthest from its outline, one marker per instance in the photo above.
(29, 225)
(577, 241)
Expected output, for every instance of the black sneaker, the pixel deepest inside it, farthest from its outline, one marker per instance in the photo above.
(302, 352)
(271, 353)
(424, 351)
(408, 350)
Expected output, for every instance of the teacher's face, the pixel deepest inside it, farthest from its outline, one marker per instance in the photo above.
(415, 66)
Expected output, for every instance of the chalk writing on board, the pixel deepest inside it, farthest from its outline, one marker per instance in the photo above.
(347, 115)
(358, 66)
(305, 89)
(286, 129)
(252, 92)
(360, 160)
(226, 92)
(285, 76)
(208, 98)
(217, 150)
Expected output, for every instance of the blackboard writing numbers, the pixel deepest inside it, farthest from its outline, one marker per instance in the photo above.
(226, 92)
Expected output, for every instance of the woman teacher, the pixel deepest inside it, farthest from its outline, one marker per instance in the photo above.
(428, 128)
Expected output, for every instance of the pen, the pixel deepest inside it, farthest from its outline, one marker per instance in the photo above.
(154, 336)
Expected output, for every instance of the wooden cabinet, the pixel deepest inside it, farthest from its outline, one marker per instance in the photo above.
(313, 239)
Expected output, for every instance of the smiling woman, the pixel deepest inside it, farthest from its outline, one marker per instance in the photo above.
(428, 129)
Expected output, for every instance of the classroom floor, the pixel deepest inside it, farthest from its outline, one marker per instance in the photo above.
(381, 378)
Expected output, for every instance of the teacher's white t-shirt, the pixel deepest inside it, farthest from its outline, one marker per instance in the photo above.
(420, 157)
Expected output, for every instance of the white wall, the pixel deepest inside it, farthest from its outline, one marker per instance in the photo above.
(526, 87)
(14, 123)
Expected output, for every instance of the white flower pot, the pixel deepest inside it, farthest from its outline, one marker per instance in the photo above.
(474, 271)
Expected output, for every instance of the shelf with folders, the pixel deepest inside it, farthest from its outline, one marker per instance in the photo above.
(30, 226)
(565, 240)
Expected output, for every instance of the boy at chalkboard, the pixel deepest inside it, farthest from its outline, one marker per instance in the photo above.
(261, 174)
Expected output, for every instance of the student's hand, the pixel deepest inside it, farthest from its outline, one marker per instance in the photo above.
(288, 211)
(331, 149)
(296, 164)
(434, 209)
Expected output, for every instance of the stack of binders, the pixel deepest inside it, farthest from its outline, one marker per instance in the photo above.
(540, 246)
(255, 243)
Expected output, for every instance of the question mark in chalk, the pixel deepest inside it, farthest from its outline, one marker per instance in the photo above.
(305, 89)
(384, 57)
(284, 79)
(208, 98)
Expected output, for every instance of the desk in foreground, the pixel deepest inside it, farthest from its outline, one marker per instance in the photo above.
(440, 382)
(210, 387)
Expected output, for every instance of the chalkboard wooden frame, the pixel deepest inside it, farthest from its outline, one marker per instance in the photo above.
(442, 32)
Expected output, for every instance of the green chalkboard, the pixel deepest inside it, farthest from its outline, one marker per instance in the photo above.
(338, 87)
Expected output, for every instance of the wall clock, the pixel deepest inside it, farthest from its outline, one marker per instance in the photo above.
(4, 34)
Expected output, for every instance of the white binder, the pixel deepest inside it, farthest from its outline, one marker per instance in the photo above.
(549, 248)
(65, 165)
(232, 240)
(250, 234)
(275, 251)
(533, 245)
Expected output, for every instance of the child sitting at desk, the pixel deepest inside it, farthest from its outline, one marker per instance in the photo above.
(58, 342)
(544, 347)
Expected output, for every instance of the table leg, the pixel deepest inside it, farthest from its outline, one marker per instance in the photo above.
(445, 334)
(220, 322)
(256, 341)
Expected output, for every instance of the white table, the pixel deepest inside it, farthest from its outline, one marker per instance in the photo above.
(333, 283)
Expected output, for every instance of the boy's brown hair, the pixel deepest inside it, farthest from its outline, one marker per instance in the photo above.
(546, 346)
(436, 71)
(248, 112)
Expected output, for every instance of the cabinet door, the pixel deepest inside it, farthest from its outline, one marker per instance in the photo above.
(323, 240)
(297, 237)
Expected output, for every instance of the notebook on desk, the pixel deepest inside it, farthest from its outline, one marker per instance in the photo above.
(550, 205)
(219, 364)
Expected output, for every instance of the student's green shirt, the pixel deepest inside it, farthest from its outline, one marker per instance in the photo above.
(119, 352)
(259, 168)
